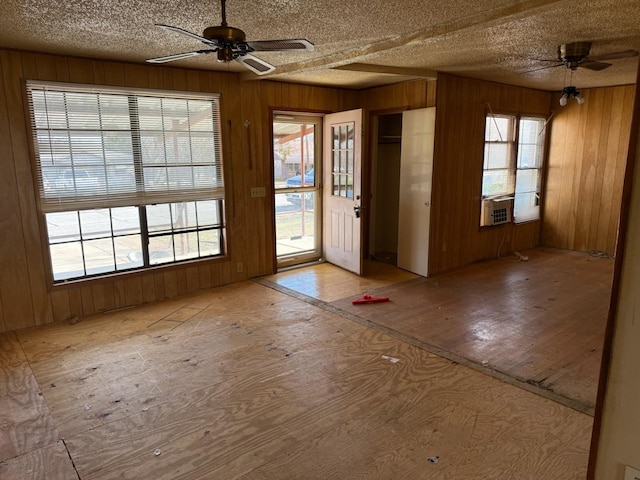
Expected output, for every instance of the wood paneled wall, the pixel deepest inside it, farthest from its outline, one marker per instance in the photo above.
(587, 158)
(399, 96)
(26, 295)
(462, 105)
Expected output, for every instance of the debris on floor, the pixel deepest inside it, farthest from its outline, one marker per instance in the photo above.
(369, 299)
(391, 359)
(435, 459)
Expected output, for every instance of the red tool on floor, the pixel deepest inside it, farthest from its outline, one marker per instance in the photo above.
(369, 299)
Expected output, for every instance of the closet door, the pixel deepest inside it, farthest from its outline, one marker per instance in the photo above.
(416, 166)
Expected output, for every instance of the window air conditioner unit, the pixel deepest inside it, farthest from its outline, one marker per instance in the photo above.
(496, 211)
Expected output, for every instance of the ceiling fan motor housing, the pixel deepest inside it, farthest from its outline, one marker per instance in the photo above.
(224, 34)
(232, 42)
(573, 54)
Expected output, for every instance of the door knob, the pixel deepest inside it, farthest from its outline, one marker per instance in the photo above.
(356, 210)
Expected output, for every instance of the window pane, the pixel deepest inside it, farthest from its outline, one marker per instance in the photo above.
(209, 242)
(125, 220)
(186, 245)
(496, 155)
(526, 207)
(128, 252)
(63, 227)
(495, 182)
(67, 260)
(161, 249)
(208, 213)
(159, 218)
(527, 180)
(98, 256)
(184, 215)
(95, 223)
(498, 128)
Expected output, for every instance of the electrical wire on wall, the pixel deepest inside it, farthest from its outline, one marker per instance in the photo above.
(247, 125)
(519, 256)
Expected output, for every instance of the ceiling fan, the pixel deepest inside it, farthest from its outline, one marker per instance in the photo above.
(574, 55)
(229, 43)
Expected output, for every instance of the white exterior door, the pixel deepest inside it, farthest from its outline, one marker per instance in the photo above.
(342, 227)
(416, 166)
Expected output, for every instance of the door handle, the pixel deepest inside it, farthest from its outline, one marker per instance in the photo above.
(356, 210)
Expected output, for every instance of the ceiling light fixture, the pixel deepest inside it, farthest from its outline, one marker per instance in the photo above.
(571, 92)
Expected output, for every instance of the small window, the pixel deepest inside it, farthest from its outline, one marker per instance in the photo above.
(513, 159)
(127, 179)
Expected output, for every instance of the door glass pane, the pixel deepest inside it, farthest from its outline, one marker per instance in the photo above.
(342, 156)
(295, 224)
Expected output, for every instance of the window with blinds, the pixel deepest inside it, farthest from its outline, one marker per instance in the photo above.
(126, 179)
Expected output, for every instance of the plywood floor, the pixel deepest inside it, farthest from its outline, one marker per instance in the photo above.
(246, 382)
(538, 323)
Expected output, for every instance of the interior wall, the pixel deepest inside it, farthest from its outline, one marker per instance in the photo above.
(462, 105)
(587, 157)
(618, 422)
(27, 297)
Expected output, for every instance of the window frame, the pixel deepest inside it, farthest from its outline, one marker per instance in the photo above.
(515, 148)
(213, 192)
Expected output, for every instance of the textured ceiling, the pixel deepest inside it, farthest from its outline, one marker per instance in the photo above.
(487, 39)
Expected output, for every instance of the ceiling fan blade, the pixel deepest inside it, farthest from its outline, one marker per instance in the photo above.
(256, 65)
(595, 66)
(544, 68)
(293, 44)
(178, 56)
(614, 55)
(182, 31)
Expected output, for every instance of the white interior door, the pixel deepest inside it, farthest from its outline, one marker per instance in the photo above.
(342, 227)
(416, 166)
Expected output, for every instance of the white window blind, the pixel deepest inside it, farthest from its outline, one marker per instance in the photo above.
(99, 147)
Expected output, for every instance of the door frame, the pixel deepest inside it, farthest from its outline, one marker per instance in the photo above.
(299, 114)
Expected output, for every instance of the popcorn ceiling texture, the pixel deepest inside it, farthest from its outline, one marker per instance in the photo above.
(487, 39)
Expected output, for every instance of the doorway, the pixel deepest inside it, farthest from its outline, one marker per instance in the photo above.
(297, 143)
(385, 187)
(403, 145)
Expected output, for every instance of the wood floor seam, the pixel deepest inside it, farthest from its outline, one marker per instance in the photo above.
(526, 384)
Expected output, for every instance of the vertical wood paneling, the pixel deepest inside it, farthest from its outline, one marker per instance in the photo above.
(86, 296)
(148, 289)
(455, 236)
(81, 70)
(170, 284)
(75, 302)
(61, 305)
(587, 158)
(46, 66)
(103, 298)
(119, 294)
(158, 284)
(15, 287)
(136, 76)
(21, 145)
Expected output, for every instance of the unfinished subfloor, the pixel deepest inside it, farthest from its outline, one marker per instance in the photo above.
(250, 382)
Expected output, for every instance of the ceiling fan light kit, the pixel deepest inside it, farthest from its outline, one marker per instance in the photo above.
(230, 44)
(571, 92)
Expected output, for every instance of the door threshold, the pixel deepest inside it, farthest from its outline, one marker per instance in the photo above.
(300, 265)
